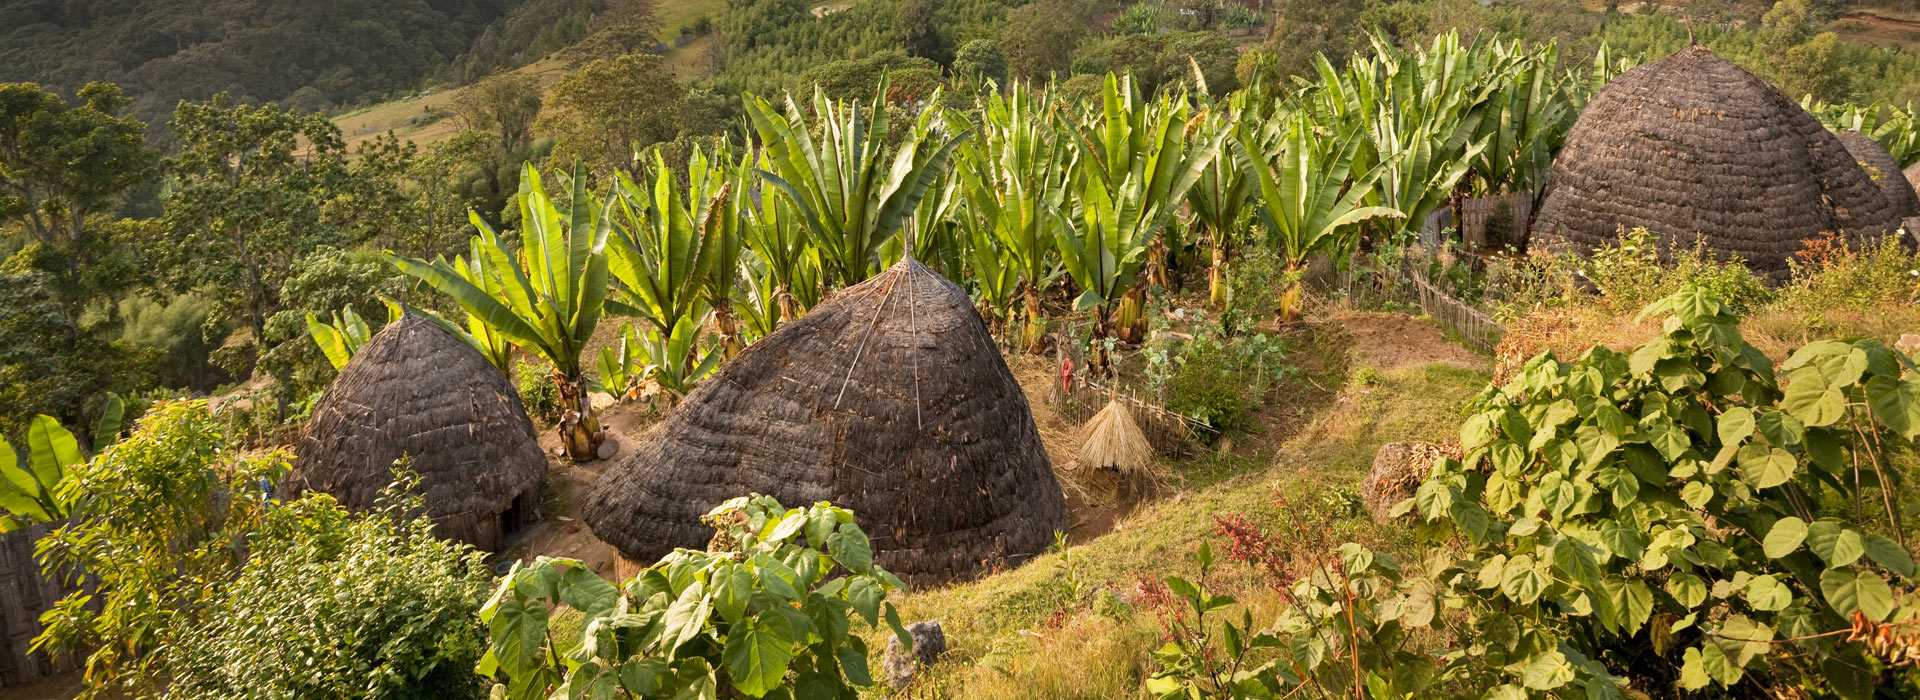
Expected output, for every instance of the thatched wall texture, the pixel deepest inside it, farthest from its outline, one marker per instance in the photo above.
(1693, 147)
(889, 398)
(415, 390)
(24, 594)
(1884, 171)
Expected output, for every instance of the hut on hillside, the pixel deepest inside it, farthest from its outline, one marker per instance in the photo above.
(1692, 147)
(1884, 171)
(416, 390)
(889, 398)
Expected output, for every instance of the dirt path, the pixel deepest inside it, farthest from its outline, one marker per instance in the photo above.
(1386, 341)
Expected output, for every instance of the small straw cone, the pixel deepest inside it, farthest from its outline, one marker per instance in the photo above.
(1113, 440)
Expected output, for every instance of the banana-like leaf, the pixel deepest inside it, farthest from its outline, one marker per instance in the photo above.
(113, 415)
(52, 450)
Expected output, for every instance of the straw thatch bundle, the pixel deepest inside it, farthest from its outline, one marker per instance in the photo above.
(1913, 176)
(417, 391)
(1884, 171)
(1398, 468)
(1113, 446)
(1693, 147)
(889, 398)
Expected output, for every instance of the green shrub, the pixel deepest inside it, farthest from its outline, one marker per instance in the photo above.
(1657, 517)
(534, 382)
(1639, 269)
(1215, 379)
(341, 605)
(1833, 274)
(767, 611)
(155, 522)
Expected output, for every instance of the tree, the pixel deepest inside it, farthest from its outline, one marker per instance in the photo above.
(1039, 38)
(602, 114)
(60, 162)
(504, 105)
(250, 184)
(916, 28)
(980, 59)
(550, 302)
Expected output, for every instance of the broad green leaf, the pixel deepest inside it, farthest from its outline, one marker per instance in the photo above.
(1848, 590)
(1768, 593)
(758, 652)
(1522, 581)
(1735, 425)
(1835, 544)
(1890, 554)
(1811, 399)
(1785, 537)
(1687, 588)
(687, 616)
(52, 450)
(112, 417)
(851, 548)
(1765, 467)
(1546, 671)
(1896, 403)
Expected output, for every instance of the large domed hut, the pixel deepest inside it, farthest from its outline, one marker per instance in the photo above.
(417, 391)
(1692, 147)
(889, 398)
(1884, 171)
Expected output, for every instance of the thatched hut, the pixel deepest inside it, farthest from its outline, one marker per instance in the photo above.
(1884, 171)
(415, 390)
(25, 593)
(1693, 147)
(889, 398)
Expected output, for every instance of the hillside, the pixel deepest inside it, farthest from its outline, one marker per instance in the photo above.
(310, 55)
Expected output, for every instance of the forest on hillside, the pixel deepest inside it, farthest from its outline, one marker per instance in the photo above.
(308, 55)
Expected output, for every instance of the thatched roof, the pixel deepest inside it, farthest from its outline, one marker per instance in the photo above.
(1884, 171)
(1693, 146)
(416, 390)
(889, 398)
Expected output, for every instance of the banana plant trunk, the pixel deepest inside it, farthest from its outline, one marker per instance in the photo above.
(1292, 293)
(1033, 331)
(1217, 272)
(579, 427)
(728, 327)
(1130, 319)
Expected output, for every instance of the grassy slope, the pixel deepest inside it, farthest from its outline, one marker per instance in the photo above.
(413, 118)
(1027, 633)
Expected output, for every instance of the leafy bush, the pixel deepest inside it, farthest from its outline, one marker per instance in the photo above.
(1658, 516)
(152, 522)
(1634, 271)
(1213, 378)
(766, 611)
(534, 382)
(1831, 273)
(341, 605)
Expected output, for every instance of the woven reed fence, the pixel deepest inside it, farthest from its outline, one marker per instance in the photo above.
(24, 594)
(1410, 285)
(1492, 223)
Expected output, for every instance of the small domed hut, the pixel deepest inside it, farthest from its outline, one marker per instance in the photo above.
(416, 390)
(889, 398)
(1692, 147)
(1884, 171)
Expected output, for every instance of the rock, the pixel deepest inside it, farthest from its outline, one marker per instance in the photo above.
(608, 448)
(1398, 469)
(1909, 343)
(929, 642)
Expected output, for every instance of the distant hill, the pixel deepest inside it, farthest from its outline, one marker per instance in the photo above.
(312, 54)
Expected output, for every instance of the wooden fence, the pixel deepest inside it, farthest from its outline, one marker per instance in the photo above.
(1410, 285)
